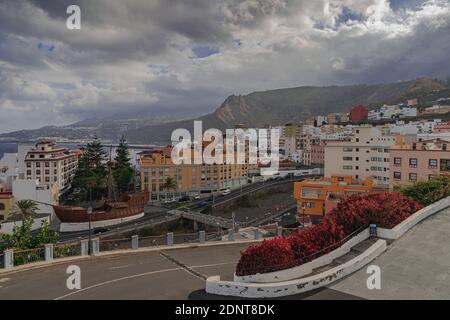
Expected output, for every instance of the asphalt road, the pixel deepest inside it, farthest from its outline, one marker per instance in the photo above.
(147, 220)
(148, 275)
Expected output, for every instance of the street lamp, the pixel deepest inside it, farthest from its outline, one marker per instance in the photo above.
(89, 213)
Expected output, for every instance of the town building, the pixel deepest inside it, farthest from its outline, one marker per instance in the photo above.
(359, 113)
(6, 203)
(51, 165)
(418, 161)
(441, 127)
(156, 166)
(364, 155)
(436, 110)
(317, 197)
(321, 120)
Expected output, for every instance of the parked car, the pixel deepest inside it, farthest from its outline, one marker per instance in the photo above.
(225, 192)
(101, 230)
(196, 196)
(202, 204)
(184, 198)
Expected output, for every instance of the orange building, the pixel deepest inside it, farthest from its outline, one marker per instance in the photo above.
(156, 166)
(315, 198)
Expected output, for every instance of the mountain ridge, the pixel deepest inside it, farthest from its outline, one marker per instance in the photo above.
(259, 108)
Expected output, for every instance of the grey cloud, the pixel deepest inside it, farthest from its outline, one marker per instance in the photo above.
(136, 56)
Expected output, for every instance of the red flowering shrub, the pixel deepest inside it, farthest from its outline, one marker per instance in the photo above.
(270, 255)
(306, 243)
(386, 210)
(354, 212)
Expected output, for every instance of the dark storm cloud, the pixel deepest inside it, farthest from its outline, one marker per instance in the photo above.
(144, 56)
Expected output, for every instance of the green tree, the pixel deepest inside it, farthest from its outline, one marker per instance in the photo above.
(22, 239)
(25, 209)
(428, 192)
(170, 184)
(45, 235)
(122, 171)
(91, 175)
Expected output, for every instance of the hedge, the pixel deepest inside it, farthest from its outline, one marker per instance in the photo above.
(352, 214)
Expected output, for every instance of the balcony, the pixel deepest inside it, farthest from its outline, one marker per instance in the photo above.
(310, 195)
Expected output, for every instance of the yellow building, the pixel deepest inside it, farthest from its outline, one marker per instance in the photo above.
(6, 204)
(156, 166)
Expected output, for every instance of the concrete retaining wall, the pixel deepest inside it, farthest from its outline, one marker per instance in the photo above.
(400, 229)
(83, 226)
(307, 268)
(280, 289)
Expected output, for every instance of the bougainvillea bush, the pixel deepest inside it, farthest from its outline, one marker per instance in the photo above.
(352, 214)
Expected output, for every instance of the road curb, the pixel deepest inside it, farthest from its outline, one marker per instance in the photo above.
(43, 264)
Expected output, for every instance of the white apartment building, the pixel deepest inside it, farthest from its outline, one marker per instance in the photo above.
(365, 154)
(50, 165)
(392, 112)
(32, 190)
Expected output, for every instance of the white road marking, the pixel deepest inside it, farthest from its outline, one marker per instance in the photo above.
(4, 279)
(116, 280)
(120, 267)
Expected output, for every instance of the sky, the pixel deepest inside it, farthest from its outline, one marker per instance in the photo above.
(143, 55)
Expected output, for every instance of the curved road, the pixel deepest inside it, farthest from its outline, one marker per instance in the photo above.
(417, 266)
(149, 275)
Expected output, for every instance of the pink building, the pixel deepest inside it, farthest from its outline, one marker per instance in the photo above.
(441, 127)
(419, 161)
(317, 153)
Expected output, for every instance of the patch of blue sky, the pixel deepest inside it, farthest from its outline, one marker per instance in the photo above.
(204, 51)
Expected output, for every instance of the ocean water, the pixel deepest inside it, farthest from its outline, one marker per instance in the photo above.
(7, 148)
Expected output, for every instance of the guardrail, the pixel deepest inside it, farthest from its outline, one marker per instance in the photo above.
(28, 256)
(50, 252)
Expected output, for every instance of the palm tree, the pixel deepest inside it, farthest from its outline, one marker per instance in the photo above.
(170, 184)
(25, 208)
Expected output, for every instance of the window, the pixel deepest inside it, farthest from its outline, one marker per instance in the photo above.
(445, 164)
(38, 164)
(308, 204)
(2, 206)
(347, 158)
(347, 167)
(28, 164)
(432, 163)
(397, 161)
(348, 149)
(413, 162)
(29, 172)
(397, 175)
(413, 176)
